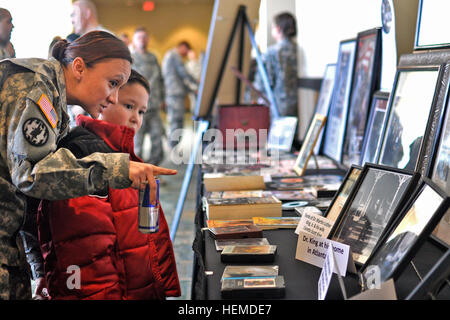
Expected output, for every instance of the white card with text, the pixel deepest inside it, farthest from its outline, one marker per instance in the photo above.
(313, 250)
(314, 224)
(326, 274)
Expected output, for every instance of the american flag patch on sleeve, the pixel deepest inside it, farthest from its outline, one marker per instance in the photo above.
(48, 110)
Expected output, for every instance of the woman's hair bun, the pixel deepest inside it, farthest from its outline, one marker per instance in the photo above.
(59, 49)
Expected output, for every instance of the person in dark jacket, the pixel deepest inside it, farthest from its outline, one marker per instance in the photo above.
(94, 250)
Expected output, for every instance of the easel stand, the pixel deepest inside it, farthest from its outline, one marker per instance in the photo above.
(241, 22)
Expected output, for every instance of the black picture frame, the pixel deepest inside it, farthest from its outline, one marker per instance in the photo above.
(439, 166)
(366, 80)
(341, 196)
(431, 58)
(371, 207)
(408, 116)
(432, 25)
(375, 128)
(324, 99)
(432, 202)
(429, 286)
(337, 116)
(439, 169)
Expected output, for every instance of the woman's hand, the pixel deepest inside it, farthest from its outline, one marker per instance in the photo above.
(141, 173)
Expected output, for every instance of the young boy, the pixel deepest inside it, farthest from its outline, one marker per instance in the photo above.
(94, 250)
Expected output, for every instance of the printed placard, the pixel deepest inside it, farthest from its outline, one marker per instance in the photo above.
(314, 224)
(313, 250)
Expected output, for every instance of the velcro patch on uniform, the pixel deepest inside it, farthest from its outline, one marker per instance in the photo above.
(35, 132)
(48, 110)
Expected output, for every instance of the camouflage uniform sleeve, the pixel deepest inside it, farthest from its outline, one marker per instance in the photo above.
(182, 72)
(162, 90)
(258, 82)
(39, 170)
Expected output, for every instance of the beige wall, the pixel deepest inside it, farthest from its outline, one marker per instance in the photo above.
(406, 20)
(168, 24)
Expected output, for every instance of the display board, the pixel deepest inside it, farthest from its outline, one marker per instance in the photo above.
(432, 25)
(337, 116)
(222, 21)
(365, 82)
(375, 128)
(421, 60)
(324, 99)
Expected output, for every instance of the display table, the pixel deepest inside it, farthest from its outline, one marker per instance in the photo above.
(301, 278)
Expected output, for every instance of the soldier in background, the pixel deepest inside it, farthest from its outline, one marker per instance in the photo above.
(84, 17)
(280, 62)
(6, 26)
(146, 64)
(178, 82)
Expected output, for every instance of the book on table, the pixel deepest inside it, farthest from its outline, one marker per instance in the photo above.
(234, 181)
(242, 208)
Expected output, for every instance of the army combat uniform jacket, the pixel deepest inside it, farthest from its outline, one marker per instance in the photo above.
(147, 65)
(33, 119)
(280, 62)
(177, 81)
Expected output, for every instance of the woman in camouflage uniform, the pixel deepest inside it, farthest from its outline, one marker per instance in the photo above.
(280, 62)
(33, 119)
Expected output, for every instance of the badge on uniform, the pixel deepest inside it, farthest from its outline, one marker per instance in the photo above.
(48, 110)
(35, 132)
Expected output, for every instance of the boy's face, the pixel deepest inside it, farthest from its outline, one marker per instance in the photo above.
(130, 109)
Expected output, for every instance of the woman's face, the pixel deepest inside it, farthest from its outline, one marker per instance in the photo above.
(129, 110)
(276, 32)
(98, 86)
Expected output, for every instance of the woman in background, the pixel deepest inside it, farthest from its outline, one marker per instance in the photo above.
(280, 62)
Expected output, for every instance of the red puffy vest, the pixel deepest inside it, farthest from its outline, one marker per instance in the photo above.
(97, 239)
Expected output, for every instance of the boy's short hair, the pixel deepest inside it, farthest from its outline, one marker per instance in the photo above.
(136, 77)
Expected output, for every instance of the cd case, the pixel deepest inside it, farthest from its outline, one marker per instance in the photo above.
(264, 253)
(240, 272)
(222, 243)
(253, 287)
(237, 232)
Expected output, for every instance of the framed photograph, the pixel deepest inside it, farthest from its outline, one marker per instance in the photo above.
(432, 25)
(308, 144)
(413, 226)
(341, 196)
(408, 115)
(431, 58)
(337, 115)
(366, 79)
(281, 133)
(439, 171)
(374, 128)
(370, 207)
(324, 99)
